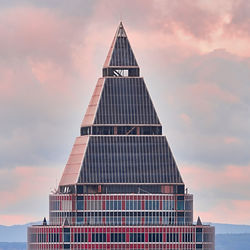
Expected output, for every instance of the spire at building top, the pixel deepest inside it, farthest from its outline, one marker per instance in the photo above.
(121, 96)
(120, 53)
(121, 31)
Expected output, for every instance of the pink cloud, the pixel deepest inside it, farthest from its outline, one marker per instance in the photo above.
(240, 22)
(202, 26)
(7, 88)
(30, 30)
(51, 76)
(211, 90)
(207, 183)
(206, 177)
(231, 140)
(185, 118)
(191, 17)
(204, 97)
(227, 211)
(37, 48)
(28, 182)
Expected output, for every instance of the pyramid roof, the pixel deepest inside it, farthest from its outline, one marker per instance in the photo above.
(120, 101)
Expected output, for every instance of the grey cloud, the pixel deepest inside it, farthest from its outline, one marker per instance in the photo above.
(204, 139)
(239, 24)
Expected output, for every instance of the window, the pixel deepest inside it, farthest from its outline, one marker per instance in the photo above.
(79, 204)
(107, 205)
(98, 237)
(66, 237)
(80, 237)
(85, 130)
(127, 205)
(207, 237)
(136, 237)
(117, 237)
(156, 205)
(55, 237)
(33, 238)
(79, 189)
(187, 237)
(172, 237)
(198, 236)
(188, 204)
(180, 220)
(180, 205)
(149, 205)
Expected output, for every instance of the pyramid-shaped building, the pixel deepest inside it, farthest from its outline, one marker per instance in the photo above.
(121, 187)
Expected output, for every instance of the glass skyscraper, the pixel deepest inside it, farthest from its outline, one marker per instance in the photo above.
(121, 187)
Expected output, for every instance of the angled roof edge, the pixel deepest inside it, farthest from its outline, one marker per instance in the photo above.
(73, 167)
(72, 171)
(89, 116)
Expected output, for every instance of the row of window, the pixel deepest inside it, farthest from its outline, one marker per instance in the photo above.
(117, 221)
(184, 246)
(137, 221)
(121, 72)
(125, 189)
(127, 205)
(121, 213)
(122, 130)
(121, 237)
(130, 205)
(123, 218)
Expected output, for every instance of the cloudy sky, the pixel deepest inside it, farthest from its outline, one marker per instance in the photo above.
(195, 58)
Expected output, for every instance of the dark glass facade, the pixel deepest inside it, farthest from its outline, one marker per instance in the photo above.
(121, 187)
(128, 159)
(125, 100)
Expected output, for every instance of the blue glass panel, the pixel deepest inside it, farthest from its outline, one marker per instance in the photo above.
(180, 205)
(80, 205)
(66, 237)
(198, 237)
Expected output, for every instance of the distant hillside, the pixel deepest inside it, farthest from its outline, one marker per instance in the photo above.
(12, 246)
(15, 233)
(231, 228)
(232, 242)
